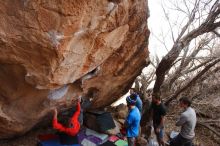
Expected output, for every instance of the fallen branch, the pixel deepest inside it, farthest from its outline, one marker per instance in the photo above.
(203, 115)
(211, 121)
(192, 81)
(209, 127)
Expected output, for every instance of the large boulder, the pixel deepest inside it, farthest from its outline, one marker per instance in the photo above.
(54, 51)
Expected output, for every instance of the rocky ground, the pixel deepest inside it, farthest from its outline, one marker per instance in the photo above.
(29, 139)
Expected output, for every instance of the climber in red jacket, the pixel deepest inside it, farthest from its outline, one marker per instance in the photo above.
(74, 127)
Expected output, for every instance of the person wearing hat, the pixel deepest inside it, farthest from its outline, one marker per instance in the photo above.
(132, 121)
(139, 103)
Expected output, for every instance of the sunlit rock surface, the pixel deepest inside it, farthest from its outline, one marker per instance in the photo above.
(54, 51)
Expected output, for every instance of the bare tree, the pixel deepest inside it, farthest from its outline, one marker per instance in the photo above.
(197, 35)
(183, 40)
(193, 53)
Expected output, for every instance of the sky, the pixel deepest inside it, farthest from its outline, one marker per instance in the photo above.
(156, 23)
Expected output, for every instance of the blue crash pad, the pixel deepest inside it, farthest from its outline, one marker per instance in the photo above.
(54, 142)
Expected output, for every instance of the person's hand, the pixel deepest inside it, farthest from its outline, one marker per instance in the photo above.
(55, 113)
(79, 99)
(157, 130)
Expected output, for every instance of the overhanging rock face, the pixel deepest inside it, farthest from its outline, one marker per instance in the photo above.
(54, 51)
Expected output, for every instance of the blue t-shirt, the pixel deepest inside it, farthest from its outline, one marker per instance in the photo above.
(133, 122)
(139, 103)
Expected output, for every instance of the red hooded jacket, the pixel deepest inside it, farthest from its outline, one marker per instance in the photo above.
(74, 121)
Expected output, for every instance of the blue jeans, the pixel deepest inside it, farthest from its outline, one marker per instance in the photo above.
(180, 141)
(161, 132)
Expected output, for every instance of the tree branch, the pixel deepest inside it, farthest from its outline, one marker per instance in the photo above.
(167, 61)
(197, 67)
(185, 61)
(215, 32)
(192, 81)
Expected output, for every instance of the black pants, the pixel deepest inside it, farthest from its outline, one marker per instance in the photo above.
(66, 139)
(180, 141)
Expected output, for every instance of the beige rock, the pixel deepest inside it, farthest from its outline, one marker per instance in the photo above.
(52, 52)
(121, 111)
(115, 130)
(121, 121)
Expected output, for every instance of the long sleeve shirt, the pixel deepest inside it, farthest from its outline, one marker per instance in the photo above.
(74, 122)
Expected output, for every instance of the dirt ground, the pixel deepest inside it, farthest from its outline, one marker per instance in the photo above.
(29, 139)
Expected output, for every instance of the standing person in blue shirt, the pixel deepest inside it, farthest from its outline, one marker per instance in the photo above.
(139, 103)
(132, 121)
